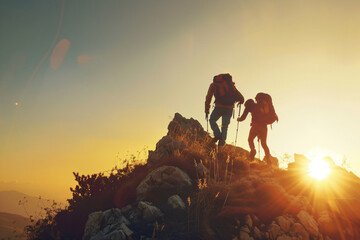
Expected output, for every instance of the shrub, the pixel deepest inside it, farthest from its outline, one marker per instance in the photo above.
(96, 192)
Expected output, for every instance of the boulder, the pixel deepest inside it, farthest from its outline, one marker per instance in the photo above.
(244, 233)
(258, 234)
(300, 202)
(245, 236)
(189, 128)
(93, 224)
(308, 222)
(176, 202)
(274, 230)
(123, 232)
(284, 223)
(110, 224)
(255, 219)
(148, 212)
(245, 229)
(298, 230)
(248, 221)
(162, 183)
(284, 237)
(165, 148)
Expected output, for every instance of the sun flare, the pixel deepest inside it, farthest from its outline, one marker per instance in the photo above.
(319, 169)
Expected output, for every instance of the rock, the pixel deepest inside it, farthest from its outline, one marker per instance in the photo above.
(248, 221)
(148, 212)
(245, 236)
(92, 225)
(162, 183)
(274, 230)
(114, 215)
(176, 202)
(122, 233)
(245, 229)
(284, 223)
(110, 224)
(125, 210)
(257, 233)
(165, 148)
(300, 202)
(298, 230)
(308, 222)
(284, 237)
(255, 219)
(188, 128)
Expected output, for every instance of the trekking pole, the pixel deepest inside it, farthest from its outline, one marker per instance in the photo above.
(207, 122)
(237, 128)
(259, 147)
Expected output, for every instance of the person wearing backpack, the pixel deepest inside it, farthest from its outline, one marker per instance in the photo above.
(226, 95)
(263, 113)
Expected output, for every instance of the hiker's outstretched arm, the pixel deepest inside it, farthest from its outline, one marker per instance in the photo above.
(209, 97)
(243, 116)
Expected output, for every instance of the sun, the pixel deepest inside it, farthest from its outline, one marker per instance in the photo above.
(319, 169)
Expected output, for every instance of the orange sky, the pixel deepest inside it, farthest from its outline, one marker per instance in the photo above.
(129, 67)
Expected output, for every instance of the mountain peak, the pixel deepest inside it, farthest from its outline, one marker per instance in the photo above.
(191, 189)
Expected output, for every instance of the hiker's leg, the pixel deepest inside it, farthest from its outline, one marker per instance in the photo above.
(252, 135)
(215, 115)
(227, 113)
(263, 137)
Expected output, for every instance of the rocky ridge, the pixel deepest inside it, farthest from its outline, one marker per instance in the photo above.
(193, 191)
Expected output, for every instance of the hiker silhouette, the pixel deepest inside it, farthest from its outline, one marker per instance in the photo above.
(263, 114)
(226, 95)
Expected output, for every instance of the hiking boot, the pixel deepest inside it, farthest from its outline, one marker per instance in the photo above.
(216, 138)
(267, 159)
(252, 155)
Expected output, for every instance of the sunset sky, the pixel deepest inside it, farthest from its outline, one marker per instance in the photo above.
(83, 83)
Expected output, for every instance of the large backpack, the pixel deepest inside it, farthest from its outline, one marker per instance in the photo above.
(225, 91)
(267, 108)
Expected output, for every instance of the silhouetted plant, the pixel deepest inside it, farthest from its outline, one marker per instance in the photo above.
(96, 192)
(43, 228)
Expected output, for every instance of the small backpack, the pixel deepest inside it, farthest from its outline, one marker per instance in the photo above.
(266, 107)
(225, 91)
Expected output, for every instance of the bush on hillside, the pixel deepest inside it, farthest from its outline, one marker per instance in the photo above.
(96, 192)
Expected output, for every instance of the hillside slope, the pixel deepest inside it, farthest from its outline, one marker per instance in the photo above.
(12, 226)
(232, 198)
(19, 203)
(188, 189)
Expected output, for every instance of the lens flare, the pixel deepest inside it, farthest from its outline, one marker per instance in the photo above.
(59, 53)
(319, 169)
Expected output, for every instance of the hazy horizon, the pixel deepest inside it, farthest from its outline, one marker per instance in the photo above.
(84, 83)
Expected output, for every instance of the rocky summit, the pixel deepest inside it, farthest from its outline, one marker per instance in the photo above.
(192, 190)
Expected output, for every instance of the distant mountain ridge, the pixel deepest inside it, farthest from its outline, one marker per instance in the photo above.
(12, 226)
(15, 202)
